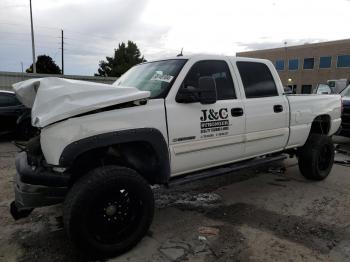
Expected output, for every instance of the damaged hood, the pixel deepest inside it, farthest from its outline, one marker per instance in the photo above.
(53, 99)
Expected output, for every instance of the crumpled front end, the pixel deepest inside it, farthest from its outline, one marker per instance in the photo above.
(54, 99)
(36, 184)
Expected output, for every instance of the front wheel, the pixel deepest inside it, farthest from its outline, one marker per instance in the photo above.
(316, 157)
(108, 211)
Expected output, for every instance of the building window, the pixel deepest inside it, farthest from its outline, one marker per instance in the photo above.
(343, 61)
(306, 89)
(293, 64)
(325, 61)
(279, 64)
(309, 63)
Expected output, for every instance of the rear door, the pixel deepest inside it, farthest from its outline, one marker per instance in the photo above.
(266, 109)
(202, 136)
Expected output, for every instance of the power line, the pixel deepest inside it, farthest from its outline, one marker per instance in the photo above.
(91, 35)
(25, 25)
(24, 33)
(13, 44)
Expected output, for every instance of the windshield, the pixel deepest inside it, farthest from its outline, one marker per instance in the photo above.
(346, 92)
(156, 77)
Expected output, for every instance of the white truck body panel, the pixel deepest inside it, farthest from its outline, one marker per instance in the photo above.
(66, 132)
(258, 131)
(305, 108)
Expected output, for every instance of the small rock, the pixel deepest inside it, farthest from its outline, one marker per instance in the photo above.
(173, 253)
(202, 238)
(199, 248)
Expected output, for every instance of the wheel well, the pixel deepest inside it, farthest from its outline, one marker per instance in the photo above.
(139, 156)
(321, 125)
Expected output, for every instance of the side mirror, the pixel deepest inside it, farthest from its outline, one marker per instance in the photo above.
(205, 93)
(207, 90)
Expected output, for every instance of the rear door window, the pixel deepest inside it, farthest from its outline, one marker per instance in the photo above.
(257, 79)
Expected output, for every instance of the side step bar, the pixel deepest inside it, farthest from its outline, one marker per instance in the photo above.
(213, 172)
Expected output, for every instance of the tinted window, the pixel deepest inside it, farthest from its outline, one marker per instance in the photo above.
(343, 61)
(325, 61)
(216, 69)
(257, 80)
(293, 64)
(8, 100)
(309, 63)
(279, 64)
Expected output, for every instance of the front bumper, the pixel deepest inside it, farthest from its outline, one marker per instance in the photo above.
(39, 187)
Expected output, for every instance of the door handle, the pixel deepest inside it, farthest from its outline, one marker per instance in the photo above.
(277, 108)
(237, 111)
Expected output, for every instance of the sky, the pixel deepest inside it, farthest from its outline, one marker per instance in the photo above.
(92, 29)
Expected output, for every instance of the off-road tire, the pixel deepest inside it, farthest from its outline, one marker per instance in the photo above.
(316, 157)
(84, 205)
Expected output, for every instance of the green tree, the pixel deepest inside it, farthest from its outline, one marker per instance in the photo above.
(45, 65)
(125, 57)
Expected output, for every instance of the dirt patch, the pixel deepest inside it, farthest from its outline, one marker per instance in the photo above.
(311, 234)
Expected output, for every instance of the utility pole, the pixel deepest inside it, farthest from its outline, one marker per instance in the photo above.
(62, 51)
(22, 66)
(33, 46)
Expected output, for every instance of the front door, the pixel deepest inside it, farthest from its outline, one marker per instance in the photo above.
(202, 136)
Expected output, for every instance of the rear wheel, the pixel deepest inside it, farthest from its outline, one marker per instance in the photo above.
(316, 157)
(108, 211)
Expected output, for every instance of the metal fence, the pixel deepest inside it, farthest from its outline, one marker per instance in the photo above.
(9, 78)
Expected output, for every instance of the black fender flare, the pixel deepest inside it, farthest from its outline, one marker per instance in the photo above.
(150, 135)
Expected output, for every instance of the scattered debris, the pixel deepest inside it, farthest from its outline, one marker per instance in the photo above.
(191, 199)
(202, 238)
(277, 170)
(208, 231)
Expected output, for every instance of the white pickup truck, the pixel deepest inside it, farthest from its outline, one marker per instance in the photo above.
(101, 147)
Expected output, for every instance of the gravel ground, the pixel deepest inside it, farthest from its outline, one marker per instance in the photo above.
(253, 215)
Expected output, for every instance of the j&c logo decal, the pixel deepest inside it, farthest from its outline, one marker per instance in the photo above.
(214, 123)
(212, 115)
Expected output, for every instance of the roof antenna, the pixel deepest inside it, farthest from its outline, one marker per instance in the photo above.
(180, 53)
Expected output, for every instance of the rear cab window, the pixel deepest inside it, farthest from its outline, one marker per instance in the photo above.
(257, 79)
